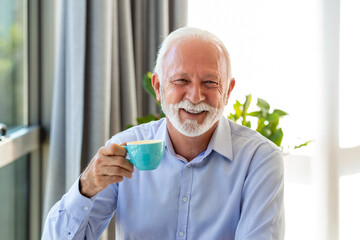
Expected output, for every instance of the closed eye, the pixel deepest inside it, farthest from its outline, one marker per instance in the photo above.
(180, 81)
(210, 83)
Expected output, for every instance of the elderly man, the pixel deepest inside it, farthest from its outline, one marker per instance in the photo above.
(217, 179)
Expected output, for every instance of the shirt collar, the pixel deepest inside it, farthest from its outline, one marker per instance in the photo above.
(221, 139)
(161, 134)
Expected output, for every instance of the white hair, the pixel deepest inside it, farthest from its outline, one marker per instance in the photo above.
(190, 33)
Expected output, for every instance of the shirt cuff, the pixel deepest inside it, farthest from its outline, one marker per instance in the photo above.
(75, 204)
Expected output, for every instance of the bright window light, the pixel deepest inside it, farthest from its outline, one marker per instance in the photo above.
(275, 51)
(349, 73)
(275, 47)
(349, 130)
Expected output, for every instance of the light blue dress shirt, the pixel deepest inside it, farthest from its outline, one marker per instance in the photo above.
(233, 190)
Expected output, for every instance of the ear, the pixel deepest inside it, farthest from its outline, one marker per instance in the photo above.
(231, 87)
(155, 82)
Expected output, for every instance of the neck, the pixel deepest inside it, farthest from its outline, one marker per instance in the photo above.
(189, 147)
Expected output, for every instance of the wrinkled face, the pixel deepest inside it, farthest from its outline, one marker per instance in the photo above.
(191, 127)
(194, 88)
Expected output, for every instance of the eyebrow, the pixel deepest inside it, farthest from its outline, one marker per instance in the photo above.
(179, 75)
(212, 75)
(208, 75)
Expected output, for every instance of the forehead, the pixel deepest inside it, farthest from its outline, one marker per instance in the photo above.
(187, 56)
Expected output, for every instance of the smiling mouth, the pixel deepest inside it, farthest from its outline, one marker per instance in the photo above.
(193, 112)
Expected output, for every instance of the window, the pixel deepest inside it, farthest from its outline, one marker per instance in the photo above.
(13, 62)
(349, 207)
(19, 148)
(277, 49)
(268, 62)
(14, 181)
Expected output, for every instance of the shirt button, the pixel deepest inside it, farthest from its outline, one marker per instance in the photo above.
(181, 234)
(189, 165)
(185, 199)
(86, 208)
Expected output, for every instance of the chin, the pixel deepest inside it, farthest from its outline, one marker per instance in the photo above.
(191, 128)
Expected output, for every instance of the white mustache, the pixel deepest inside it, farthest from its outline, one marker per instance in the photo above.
(194, 108)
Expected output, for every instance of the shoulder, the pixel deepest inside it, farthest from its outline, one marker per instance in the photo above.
(140, 132)
(250, 143)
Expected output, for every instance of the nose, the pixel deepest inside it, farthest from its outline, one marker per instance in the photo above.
(195, 93)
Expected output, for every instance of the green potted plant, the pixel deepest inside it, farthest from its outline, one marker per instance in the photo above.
(267, 121)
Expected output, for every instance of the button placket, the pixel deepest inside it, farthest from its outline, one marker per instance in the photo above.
(184, 201)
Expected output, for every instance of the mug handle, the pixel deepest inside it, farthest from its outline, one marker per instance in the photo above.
(124, 146)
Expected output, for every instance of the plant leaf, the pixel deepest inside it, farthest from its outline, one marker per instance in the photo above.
(302, 145)
(245, 109)
(255, 114)
(277, 137)
(280, 113)
(263, 105)
(238, 112)
(260, 125)
(148, 86)
(237, 108)
(272, 117)
(146, 119)
(247, 103)
(129, 126)
(266, 131)
(232, 117)
(273, 125)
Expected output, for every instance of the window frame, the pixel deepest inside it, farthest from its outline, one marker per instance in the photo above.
(26, 140)
(18, 143)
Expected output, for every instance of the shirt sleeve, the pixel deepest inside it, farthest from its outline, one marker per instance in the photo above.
(262, 205)
(78, 217)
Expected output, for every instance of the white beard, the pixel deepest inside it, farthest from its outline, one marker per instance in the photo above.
(189, 127)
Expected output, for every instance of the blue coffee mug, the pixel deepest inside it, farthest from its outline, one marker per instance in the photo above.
(145, 154)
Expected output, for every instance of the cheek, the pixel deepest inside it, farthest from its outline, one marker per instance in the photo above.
(173, 95)
(216, 99)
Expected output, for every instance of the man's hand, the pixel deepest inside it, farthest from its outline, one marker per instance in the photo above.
(108, 166)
